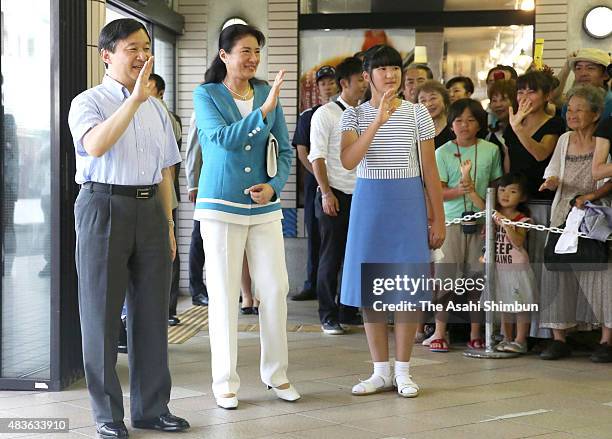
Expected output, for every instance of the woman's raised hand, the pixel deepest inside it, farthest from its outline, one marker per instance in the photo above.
(385, 108)
(525, 107)
(270, 104)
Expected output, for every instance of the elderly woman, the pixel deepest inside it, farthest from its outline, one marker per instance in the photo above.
(569, 174)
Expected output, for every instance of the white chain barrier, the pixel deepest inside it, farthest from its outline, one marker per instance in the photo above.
(524, 225)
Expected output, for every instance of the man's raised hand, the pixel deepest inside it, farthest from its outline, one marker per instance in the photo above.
(143, 90)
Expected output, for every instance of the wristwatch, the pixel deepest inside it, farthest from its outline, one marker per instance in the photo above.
(171, 223)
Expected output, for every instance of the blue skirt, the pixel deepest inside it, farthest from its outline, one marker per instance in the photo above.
(388, 224)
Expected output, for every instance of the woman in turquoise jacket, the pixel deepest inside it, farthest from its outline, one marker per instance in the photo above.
(246, 159)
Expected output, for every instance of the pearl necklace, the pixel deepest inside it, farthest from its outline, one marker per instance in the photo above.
(243, 97)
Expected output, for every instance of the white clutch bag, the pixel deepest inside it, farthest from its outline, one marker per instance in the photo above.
(272, 156)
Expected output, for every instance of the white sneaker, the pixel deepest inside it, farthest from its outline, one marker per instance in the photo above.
(227, 402)
(405, 386)
(374, 384)
(288, 394)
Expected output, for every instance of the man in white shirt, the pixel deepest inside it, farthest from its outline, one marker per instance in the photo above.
(333, 200)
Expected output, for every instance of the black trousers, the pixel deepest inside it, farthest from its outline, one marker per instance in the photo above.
(176, 270)
(333, 233)
(312, 229)
(196, 262)
(122, 246)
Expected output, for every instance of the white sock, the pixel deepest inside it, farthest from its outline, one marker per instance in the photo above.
(382, 368)
(402, 368)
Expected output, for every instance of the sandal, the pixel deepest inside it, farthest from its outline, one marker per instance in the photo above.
(374, 384)
(477, 343)
(501, 346)
(438, 345)
(405, 386)
(432, 337)
(516, 347)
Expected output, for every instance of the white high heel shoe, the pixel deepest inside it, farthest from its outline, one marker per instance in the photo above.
(288, 394)
(227, 402)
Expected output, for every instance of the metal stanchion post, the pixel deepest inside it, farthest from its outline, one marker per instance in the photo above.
(489, 284)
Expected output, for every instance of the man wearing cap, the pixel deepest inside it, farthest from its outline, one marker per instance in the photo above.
(589, 67)
(326, 85)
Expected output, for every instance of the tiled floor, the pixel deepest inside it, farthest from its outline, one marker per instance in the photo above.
(460, 398)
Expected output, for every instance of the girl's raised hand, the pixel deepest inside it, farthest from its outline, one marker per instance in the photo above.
(385, 108)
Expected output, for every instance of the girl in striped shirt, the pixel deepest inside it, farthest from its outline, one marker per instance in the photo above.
(389, 218)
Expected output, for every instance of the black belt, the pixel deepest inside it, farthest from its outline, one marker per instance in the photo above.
(140, 192)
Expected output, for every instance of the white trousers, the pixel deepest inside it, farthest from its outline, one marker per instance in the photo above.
(225, 245)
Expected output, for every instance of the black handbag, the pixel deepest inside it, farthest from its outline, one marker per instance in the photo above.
(592, 255)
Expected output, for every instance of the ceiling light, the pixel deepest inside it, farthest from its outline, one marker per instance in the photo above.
(596, 22)
(528, 5)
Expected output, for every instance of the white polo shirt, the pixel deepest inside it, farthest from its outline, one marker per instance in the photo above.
(325, 136)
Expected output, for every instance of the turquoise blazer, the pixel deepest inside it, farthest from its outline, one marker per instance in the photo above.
(234, 155)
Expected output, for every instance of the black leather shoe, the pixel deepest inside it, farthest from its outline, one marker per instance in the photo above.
(112, 430)
(305, 295)
(173, 321)
(167, 422)
(555, 350)
(200, 300)
(603, 354)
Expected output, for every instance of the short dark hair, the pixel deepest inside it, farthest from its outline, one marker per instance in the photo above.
(348, 67)
(227, 40)
(160, 84)
(468, 84)
(458, 107)
(423, 67)
(381, 55)
(118, 30)
(535, 80)
(519, 179)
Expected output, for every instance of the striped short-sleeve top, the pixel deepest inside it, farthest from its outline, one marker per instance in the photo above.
(392, 153)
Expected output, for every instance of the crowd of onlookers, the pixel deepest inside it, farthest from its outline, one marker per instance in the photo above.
(545, 148)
